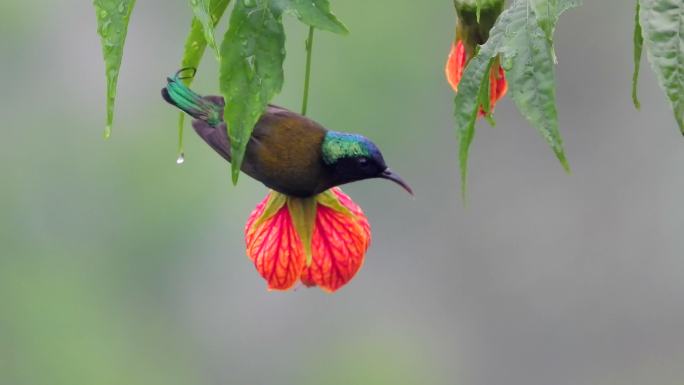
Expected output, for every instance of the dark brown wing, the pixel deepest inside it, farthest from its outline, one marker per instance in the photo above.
(284, 151)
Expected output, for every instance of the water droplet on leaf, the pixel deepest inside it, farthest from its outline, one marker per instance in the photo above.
(107, 132)
(180, 159)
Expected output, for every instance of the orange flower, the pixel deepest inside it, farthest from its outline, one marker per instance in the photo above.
(456, 62)
(323, 246)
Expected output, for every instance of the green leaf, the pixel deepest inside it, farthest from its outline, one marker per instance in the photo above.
(467, 98)
(662, 24)
(208, 13)
(564, 5)
(548, 11)
(527, 57)
(638, 45)
(468, 111)
(315, 13)
(200, 30)
(112, 26)
(484, 95)
(251, 70)
(303, 214)
(528, 60)
(195, 45)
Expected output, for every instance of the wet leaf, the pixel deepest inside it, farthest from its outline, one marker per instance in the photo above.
(527, 57)
(531, 78)
(485, 102)
(662, 24)
(251, 70)
(467, 99)
(315, 13)
(112, 26)
(208, 13)
(196, 44)
(548, 11)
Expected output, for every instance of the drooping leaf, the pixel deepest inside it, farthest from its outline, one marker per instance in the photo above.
(528, 61)
(208, 13)
(485, 101)
(484, 92)
(251, 70)
(662, 24)
(564, 5)
(315, 13)
(112, 26)
(546, 12)
(527, 57)
(196, 44)
(467, 99)
(638, 45)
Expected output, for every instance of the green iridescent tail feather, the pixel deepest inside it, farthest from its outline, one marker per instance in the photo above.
(179, 95)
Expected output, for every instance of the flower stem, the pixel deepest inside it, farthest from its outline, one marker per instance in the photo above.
(307, 74)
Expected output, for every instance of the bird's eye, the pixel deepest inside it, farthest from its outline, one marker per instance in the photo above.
(363, 162)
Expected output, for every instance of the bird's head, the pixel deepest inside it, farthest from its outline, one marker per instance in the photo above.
(353, 157)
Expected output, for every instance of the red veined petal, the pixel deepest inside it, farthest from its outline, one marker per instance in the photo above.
(275, 247)
(455, 64)
(339, 243)
(497, 87)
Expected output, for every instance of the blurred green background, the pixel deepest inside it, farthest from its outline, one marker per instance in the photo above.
(119, 267)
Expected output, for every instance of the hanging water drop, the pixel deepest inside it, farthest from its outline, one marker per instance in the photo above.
(181, 159)
(107, 132)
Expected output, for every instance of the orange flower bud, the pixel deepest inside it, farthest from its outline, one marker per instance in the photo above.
(471, 32)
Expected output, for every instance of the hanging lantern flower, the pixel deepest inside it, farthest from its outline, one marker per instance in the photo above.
(320, 241)
(472, 30)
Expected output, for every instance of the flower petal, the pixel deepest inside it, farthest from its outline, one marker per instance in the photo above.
(499, 86)
(455, 64)
(339, 243)
(274, 246)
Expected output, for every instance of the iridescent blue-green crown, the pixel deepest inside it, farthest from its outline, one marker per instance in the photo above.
(338, 145)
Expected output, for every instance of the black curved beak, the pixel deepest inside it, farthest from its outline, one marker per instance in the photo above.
(394, 177)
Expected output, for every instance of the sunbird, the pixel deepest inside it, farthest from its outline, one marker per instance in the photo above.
(287, 152)
(306, 229)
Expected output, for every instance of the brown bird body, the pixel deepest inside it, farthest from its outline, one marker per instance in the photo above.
(284, 151)
(287, 152)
